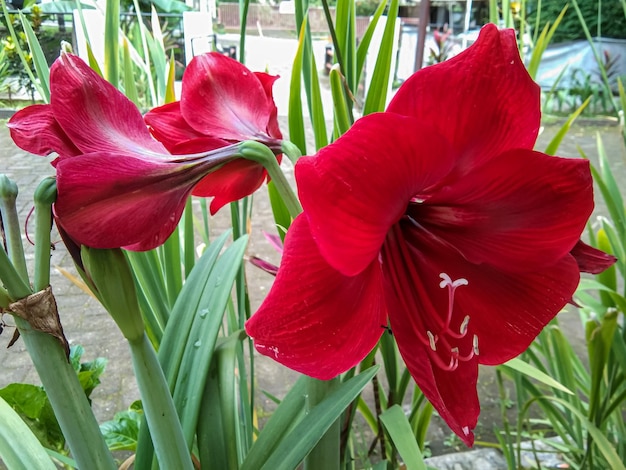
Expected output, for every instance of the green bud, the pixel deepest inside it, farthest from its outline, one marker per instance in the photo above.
(8, 188)
(110, 274)
(46, 192)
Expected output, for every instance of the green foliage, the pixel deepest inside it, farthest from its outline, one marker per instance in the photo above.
(612, 22)
(122, 432)
(32, 404)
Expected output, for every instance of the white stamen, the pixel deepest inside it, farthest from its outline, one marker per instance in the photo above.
(463, 328)
(455, 352)
(431, 340)
(447, 280)
(475, 345)
(460, 282)
(465, 430)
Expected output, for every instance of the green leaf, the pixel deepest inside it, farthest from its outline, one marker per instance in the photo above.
(130, 86)
(296, 120)
(542, 43)
(532, 372)
(367, 39)
(89, 374)
(279, 209)
(171, 6)
(207, 321)
(122, 432)
(558, 137)
(402, 436)
(19, 447)
(299, 442)
(376, 98)
(340, 106)
(111, 42)
(39, 59)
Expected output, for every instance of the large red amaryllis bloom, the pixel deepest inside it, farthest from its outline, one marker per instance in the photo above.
(222, 102)
(117, 186)
(438, 219)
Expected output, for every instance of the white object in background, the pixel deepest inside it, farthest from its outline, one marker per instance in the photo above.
(198, 33)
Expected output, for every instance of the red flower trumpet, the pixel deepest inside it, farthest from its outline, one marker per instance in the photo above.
(438, 219)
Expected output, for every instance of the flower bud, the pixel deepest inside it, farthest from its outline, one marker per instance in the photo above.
(112, 278)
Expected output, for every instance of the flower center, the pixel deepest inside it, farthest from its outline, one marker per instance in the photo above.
(442, 343)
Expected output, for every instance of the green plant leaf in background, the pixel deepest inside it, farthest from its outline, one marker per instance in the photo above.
(399, 430)
(19, 447)
(122, 432)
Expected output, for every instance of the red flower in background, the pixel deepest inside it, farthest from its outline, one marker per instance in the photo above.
(437, 218)
(117, 186)
(222, 102)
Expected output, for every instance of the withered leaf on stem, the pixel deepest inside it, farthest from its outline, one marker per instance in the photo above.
(40, 311)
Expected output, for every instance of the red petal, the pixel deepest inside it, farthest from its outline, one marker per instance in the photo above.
(315, 320)
(35, 130)
(168, 126)
(94, 114)
(268, 82)
(135, 203)
(230, 183)
(355, 189)
(482, 100)
(521, 210)
(223, 99)
(591, 260)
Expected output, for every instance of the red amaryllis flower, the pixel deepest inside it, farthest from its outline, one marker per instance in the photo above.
(222, 102)
(436, 218)
(117, 186)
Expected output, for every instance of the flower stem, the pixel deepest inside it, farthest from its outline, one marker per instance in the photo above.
(165, 429)
(12, 233)
(326, 454)
(258, 152)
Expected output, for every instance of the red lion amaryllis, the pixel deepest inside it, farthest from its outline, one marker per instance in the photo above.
(221, 102)
(437, 218)
(117, 185)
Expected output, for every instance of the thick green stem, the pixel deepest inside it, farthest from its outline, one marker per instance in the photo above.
(45, 195)
(326, 454)
(258, 152)
(165, 429)
(68, 399)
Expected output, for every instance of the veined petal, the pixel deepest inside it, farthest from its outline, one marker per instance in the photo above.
(35, 130)
(168, 126)
(230, 183)
(591, 260)
(223, 99)
(482, 100)
(94, 114)
(355, 189)
(135, 204)
(521, 210)
(315, 320)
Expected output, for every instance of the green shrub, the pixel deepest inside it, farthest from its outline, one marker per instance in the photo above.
(611, 12)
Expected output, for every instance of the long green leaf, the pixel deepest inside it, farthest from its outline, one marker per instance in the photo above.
(376, 98)
(111, 42)
(288, 414)
(19, 447)
(532, 372)
(553, 146)
(296, 121)
(294, 447)
(542, 43)
(402, 436)
(207, 320)
(364, 45)
(39, 59)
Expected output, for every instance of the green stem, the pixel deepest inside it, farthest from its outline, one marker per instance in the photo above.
(45, 195)
(11, 224)
(165, 429)
(68, 399)
(326, 454)
(258, 152)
